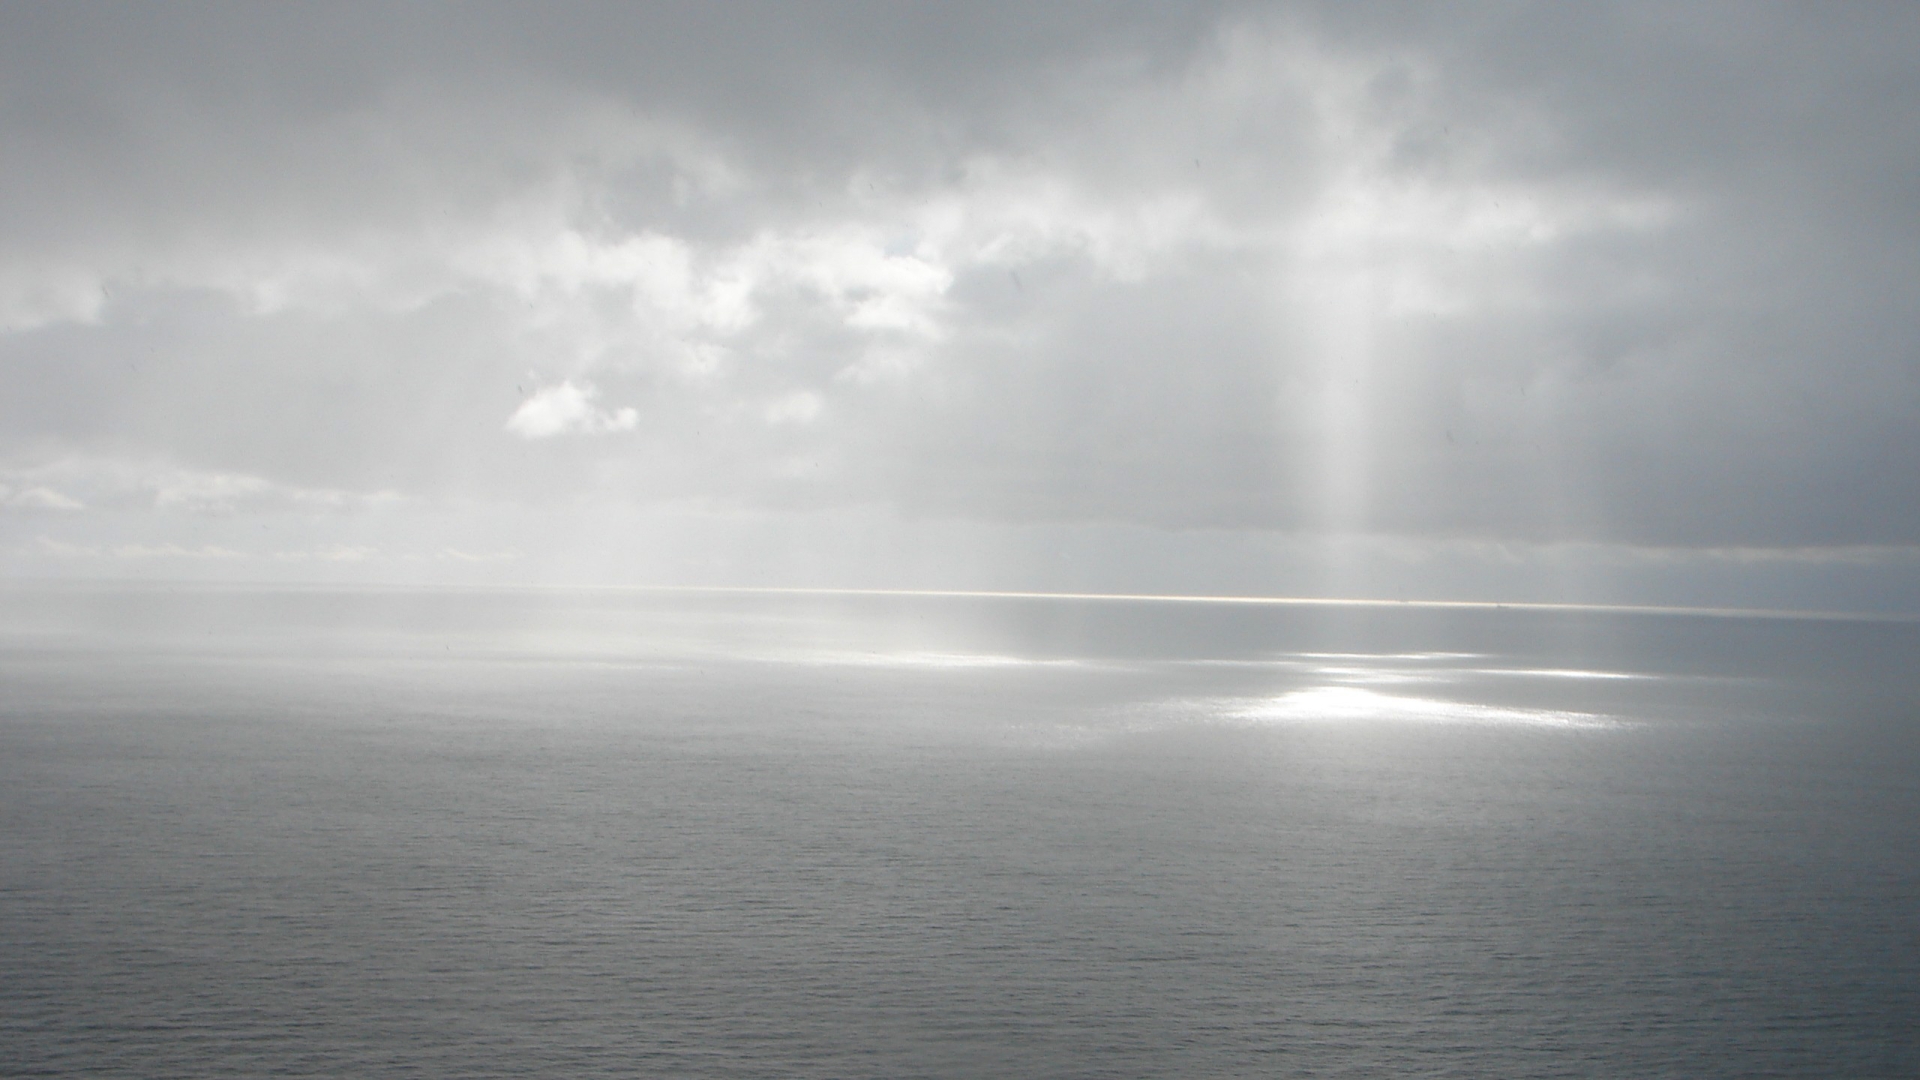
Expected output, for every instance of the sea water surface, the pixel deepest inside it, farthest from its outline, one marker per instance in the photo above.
(488, 834)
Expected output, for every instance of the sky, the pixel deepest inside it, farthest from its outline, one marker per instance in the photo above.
(1504, 301)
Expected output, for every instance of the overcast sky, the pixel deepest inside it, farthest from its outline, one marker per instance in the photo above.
(1508, 301)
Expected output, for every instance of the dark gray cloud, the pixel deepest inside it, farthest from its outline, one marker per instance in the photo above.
(1620, 275)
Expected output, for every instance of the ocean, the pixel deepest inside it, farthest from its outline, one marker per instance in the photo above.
(394, 833)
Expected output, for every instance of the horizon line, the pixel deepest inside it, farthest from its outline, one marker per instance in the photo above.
(1256, 600)
(1277, 601)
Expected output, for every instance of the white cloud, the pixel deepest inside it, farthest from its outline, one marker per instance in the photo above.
(1806, 555)
(35, 296)
(337, 553)
(196, 491)
(38, 498)
(568, 409)
(463, 556)
(801, 407)
(77, 482)
(203, 493)
(136, 552)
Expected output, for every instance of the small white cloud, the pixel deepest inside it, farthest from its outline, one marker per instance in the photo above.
(175, 551)
(38, 498)
(801, 407)
(105, 483)
(62, 550)
(1811, 555)
(339, 553)
(457, 555)
(567, 409)
(206, 492)
(32, 297)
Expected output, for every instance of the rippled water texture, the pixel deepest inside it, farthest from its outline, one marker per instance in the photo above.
(483, 835)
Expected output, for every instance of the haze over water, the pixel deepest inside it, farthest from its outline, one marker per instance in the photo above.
(492, 834)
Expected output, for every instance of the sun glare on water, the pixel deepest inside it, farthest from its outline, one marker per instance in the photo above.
(1339, 704)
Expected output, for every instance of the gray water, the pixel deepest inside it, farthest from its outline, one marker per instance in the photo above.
(492, 834)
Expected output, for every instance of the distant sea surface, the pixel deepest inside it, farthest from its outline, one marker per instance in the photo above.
(411, 834)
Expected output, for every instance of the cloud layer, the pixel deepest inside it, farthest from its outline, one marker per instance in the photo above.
(1491, 275)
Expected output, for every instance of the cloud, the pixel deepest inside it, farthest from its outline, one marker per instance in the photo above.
(1621, 276)
(37, 498)
(567, 409)
(459, 555)
(801, 407)
(35, 296)
(136, 552)
(337, 553)
(121, 484)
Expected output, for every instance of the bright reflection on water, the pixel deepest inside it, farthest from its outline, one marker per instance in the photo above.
(490, 835)
(1349, 703)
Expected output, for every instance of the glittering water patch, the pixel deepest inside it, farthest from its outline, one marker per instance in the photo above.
(1336, 704)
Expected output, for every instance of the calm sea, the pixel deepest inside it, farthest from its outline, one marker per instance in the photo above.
(392, 834)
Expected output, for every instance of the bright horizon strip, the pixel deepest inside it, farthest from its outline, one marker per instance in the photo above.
(1282, 601)
(998, 594)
